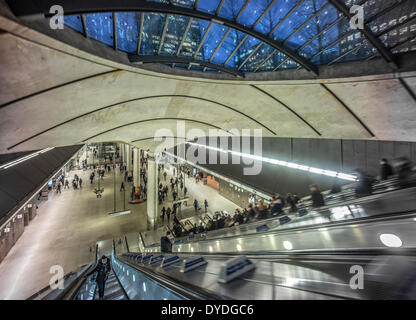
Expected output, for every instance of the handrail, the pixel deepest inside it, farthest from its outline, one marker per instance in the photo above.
(73, 289)
(320, 210)
(65, 290)
(184, 289)
(361, 220)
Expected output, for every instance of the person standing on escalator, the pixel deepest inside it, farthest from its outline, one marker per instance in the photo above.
(166, 243)
(103, 268)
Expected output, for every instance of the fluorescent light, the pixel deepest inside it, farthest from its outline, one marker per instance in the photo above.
(316, 170)
(292, 165)
(391, 240)
(287, 245)
(239, 247)
(20, 160)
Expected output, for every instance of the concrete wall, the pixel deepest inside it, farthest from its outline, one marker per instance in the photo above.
(337, 155)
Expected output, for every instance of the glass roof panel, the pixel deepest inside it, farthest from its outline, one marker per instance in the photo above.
(193, 38)
(339, 48)
(295, 20)
(208, 6)
(229, 44)
(231, 8)
(253, 11)
(275, 15)
(394, 17)
(184, 3)
(128, 24)
(324, 40)
(245, 49)
(100, 27)
(152, 31)
(362, 52)
(174, 33)
(405, 47)
(316, 40)
(74, 22)
(258, 57)
(271, 63)
(325, 18)
(371, 7)
(212, 40)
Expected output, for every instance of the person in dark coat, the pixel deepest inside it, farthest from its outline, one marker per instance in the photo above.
(317, 197)
(291, 202)
(336, 188)
(166, 243)
(163, 214)
(277, 205)
(364, 184)
(405, 174)
(103, 268)
(386, 170)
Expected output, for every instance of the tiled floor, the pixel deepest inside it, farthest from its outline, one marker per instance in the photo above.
(68, 224)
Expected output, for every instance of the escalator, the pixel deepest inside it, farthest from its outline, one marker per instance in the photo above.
(396, 203)
(113, 289)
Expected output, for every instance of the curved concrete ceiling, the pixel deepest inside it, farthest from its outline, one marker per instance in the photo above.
(52, 95)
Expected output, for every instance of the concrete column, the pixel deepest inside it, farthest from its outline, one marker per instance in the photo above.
(151, 192)
(122, 156)
(135, 167)
(128, 157)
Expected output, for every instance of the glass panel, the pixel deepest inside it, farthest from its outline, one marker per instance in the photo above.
(74, 22)
(128, 24)
(325, 18)
(339, 49)
(400, 34)
(208, 6)
(193, 38)
(174, 33)
(184, 3)
(393, 17)
(152, 32)
(229, 44)
(328, 37)
(231, 8)
(212, 40)
(258, 57)
(302, 14)
(289, 64)
(273, 62)
(100, 27)
(246, 48)
(361, 53)
(253, 11)
(408, 46)
(275, 15)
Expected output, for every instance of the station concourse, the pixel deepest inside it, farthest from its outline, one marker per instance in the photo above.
(207, 149)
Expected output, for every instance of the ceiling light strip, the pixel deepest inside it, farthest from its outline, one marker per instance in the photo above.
(23, 159)
(292, 165)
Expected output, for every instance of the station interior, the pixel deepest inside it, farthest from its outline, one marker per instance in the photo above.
(207, 149)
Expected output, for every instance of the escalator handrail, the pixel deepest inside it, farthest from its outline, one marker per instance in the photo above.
(183, 289)
(71, 291)
(361, 220)
(43, 290)
(264, 221)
